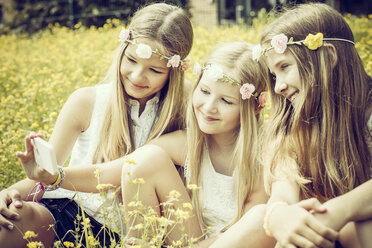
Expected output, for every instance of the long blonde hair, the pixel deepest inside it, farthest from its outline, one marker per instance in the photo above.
(321, 141)
(169, 27)
(236, 57)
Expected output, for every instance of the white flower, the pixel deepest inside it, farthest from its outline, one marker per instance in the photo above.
(214, 72)
(279, 43)
(197, 69)
(124, 35)
(247, 90)
(257, 52)
(144, 51)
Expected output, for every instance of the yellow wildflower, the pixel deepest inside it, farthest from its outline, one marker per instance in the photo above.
(29, 235)
(188, 205)
(97, 173)
(91, 240)
(68, 244)
(192, 186)
(85, 221)
(175, 193)
(34, 244)
(103, 187)
(138, 181)
(130, 161)
(313, 42)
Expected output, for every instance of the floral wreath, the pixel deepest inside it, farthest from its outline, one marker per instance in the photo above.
(145, 51)
(279, 44)
(247, 90)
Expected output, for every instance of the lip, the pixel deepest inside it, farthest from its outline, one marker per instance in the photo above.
(136, 86)
(292, 96)
(208, 118)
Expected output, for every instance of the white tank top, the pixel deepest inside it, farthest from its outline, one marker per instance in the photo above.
(218, 195)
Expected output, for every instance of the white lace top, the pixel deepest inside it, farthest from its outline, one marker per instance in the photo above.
(218, 195)
(86, 143)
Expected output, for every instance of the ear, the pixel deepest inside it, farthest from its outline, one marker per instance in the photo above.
(332, 49)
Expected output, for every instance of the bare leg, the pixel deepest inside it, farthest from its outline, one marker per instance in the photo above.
(247, 232)
(34, 217)
(161, 177)
(364, 231)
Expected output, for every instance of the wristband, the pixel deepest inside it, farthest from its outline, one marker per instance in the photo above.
(57, 184)
(268, 213)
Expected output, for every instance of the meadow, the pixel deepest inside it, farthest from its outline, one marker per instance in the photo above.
(38, 73)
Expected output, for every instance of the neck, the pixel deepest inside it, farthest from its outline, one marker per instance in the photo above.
(222, 142)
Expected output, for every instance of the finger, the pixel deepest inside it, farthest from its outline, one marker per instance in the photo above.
(312, 205)
(300, 241)
(323, 231)
(16, 198)
(6, 223)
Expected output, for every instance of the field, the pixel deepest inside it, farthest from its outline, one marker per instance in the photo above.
(38, 73)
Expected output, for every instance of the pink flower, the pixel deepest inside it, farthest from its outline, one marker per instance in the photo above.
(197, 69)
(174, 61)
(279, 43)
(124, 35)
(262, 99)
(185, 66)
(247, 90)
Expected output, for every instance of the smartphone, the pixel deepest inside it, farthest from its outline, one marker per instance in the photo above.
(45, 156)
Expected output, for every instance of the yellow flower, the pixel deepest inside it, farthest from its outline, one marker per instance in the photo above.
(130, 161)
(188, 205)
(34, 244)
(91, 240)
(68, 244)
(138, 181)
(174, 193)
(29, 235)
(103, 187)
(85, 221)
(313, 42)
(192, 186)
(97, 173)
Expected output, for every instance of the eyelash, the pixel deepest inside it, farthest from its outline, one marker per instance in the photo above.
(205, 92)
(226, 101)
(133, 61)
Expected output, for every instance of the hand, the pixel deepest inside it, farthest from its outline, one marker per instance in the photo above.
(32, 170)
(294, 226)
(7, 197)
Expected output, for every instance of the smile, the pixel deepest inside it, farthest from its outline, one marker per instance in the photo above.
(208, 118)
(293, 96)
(136, 86)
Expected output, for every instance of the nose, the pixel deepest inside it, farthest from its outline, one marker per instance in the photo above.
(280, 86)
(137, 74)
(210, 105)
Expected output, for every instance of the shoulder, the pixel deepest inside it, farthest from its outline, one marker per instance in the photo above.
(80, 105)
(174, 144)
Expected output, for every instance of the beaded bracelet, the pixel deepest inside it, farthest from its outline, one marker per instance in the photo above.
(57, 184)
(269, 211)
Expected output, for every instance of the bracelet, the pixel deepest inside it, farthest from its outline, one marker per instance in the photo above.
(57, 181)
(57, 184)
(268, 213)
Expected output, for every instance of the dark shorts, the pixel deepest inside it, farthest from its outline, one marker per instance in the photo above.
(64, 211)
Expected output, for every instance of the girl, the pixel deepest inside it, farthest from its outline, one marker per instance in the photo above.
(318, 137)
(222, 124)
(143, 98)
(223, 120)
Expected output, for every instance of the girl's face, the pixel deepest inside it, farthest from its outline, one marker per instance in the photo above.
(143, 78)
(216, 106)
(283, 68)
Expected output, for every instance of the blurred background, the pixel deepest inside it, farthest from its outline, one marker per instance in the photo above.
(32, 15)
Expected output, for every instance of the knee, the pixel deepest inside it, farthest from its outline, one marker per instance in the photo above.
(144, 163)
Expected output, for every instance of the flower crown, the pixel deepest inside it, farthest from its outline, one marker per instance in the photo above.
(247, 90)
(145, 51)
(279, 44)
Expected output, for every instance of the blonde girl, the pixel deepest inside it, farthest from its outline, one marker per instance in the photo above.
(222, 121)
(221, 124)
(141, 98)
(318, 140)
